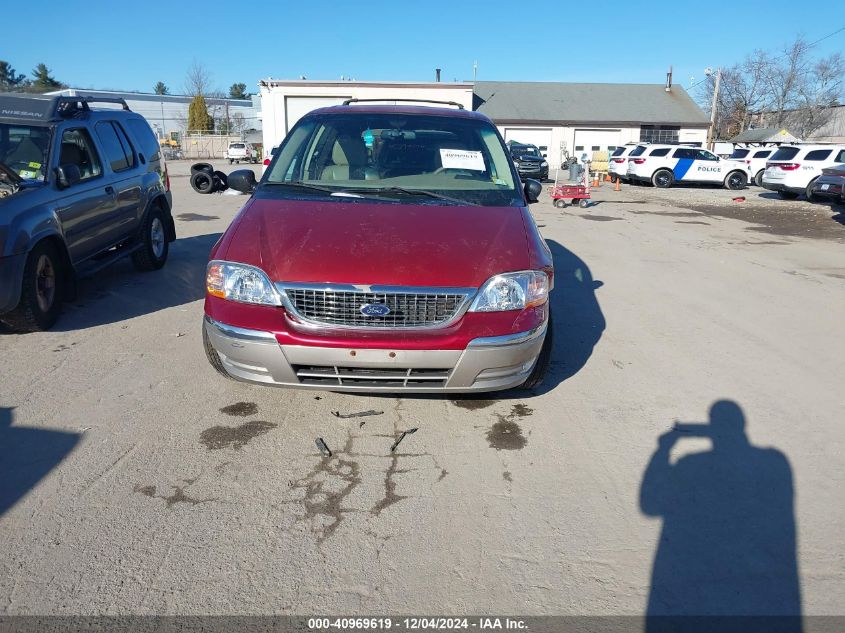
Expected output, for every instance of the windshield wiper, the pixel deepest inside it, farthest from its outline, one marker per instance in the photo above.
(301, 185)
(409, 192)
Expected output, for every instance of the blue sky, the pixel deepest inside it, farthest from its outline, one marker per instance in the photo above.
(123, 46)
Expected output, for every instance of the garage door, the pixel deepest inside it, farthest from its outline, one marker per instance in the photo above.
(298, 107)
(590, 141)
(541, 137)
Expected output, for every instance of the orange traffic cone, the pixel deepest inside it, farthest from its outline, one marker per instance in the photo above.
(607, 177)
(596, 181)
(617, 187)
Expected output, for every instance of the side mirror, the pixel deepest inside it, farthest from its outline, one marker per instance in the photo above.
(67, 175)
(533, 189)
(242, 180)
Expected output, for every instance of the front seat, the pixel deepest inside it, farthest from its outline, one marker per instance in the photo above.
(349, 156)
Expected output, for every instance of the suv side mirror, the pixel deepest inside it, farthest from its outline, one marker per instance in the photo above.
(242, 180)
(67, 175)
(533, 189)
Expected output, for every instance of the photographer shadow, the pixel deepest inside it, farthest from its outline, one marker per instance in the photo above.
(727, 547)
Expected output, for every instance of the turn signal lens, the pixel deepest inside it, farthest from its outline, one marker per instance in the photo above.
(214, 280)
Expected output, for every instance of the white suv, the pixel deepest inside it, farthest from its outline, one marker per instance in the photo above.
(618, 168)
(664, 165)
(755, 159)
(793, 169)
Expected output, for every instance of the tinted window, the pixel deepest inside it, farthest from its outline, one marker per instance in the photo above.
(237, 145)
(619, 151)
(78, 149)
(686, 152)
(705, 155)
(840, 157)
(785, 153)
(639, 149)
(145, 137)
(114, 148)
(740, 153)
(125, 143)
(663, 151)
(596, 148)
(764, 154)
(818, 154)
(579, 148)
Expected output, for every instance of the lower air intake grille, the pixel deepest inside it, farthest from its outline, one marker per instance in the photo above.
(398, 377)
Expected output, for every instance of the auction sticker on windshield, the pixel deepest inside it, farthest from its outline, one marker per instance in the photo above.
(461, 159)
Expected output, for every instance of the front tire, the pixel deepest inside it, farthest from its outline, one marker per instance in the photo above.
(42, 289)
(153, 253)
(736, 180)
(213, 357)
(544, 359)
(663, 179)
(560, 203)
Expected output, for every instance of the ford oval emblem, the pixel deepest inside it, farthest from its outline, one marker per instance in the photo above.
(375, 310)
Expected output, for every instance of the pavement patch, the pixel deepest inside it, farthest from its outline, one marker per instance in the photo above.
(240, 409)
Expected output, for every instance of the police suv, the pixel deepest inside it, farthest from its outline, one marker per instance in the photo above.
(793, 169)
(755, 161)
(618, 168)
(664, 165)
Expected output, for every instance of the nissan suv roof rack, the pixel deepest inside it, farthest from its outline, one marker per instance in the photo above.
(65, 106)
(452, 103)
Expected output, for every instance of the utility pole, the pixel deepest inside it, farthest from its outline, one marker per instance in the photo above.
(711, 132)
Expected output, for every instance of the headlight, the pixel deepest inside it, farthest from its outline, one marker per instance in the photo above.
(239, 282)
(512, 291)
(544, 164)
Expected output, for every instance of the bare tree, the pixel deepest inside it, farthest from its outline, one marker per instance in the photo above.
(197, 80)
(788, 89)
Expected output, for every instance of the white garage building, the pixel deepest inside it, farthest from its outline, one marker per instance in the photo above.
(284, 102)
(584, 117)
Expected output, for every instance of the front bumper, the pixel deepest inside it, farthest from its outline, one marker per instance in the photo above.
(487, 364)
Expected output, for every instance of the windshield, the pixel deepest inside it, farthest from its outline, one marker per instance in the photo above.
(24, 149)
(393, 155)
(525, 150)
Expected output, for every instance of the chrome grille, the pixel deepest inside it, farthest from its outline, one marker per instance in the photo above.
(399, 377)
(409, 308)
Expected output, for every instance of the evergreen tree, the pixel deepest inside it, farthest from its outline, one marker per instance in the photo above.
(10, 79)
(161, 88)
(238, 91)
(43, 81)
(198, 117)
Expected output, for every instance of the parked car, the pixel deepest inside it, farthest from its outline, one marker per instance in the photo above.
(664, 165)
(241, 151)
(755, 161)
(400, 257)
(831, 184)
(80, 188)
(618, 168)
(793, 169)
(530, 163)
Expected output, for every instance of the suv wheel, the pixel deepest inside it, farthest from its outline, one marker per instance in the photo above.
(736, 180)
(663, 178)
(809, 191)
(758, 179)
(154, 245)
(41, 291)
(535, 378)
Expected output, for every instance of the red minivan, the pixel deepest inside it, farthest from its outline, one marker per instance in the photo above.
(385, 248)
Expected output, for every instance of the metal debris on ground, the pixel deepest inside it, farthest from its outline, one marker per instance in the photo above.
(402, 437)
(739, 199)
(362, 414)
(323, 447)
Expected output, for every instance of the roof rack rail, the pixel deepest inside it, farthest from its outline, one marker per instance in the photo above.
(65, 106)
(451, 103)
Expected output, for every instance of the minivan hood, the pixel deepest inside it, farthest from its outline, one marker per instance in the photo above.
(372, 243)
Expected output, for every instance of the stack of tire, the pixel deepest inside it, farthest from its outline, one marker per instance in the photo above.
(601, 162)
(205, 180)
